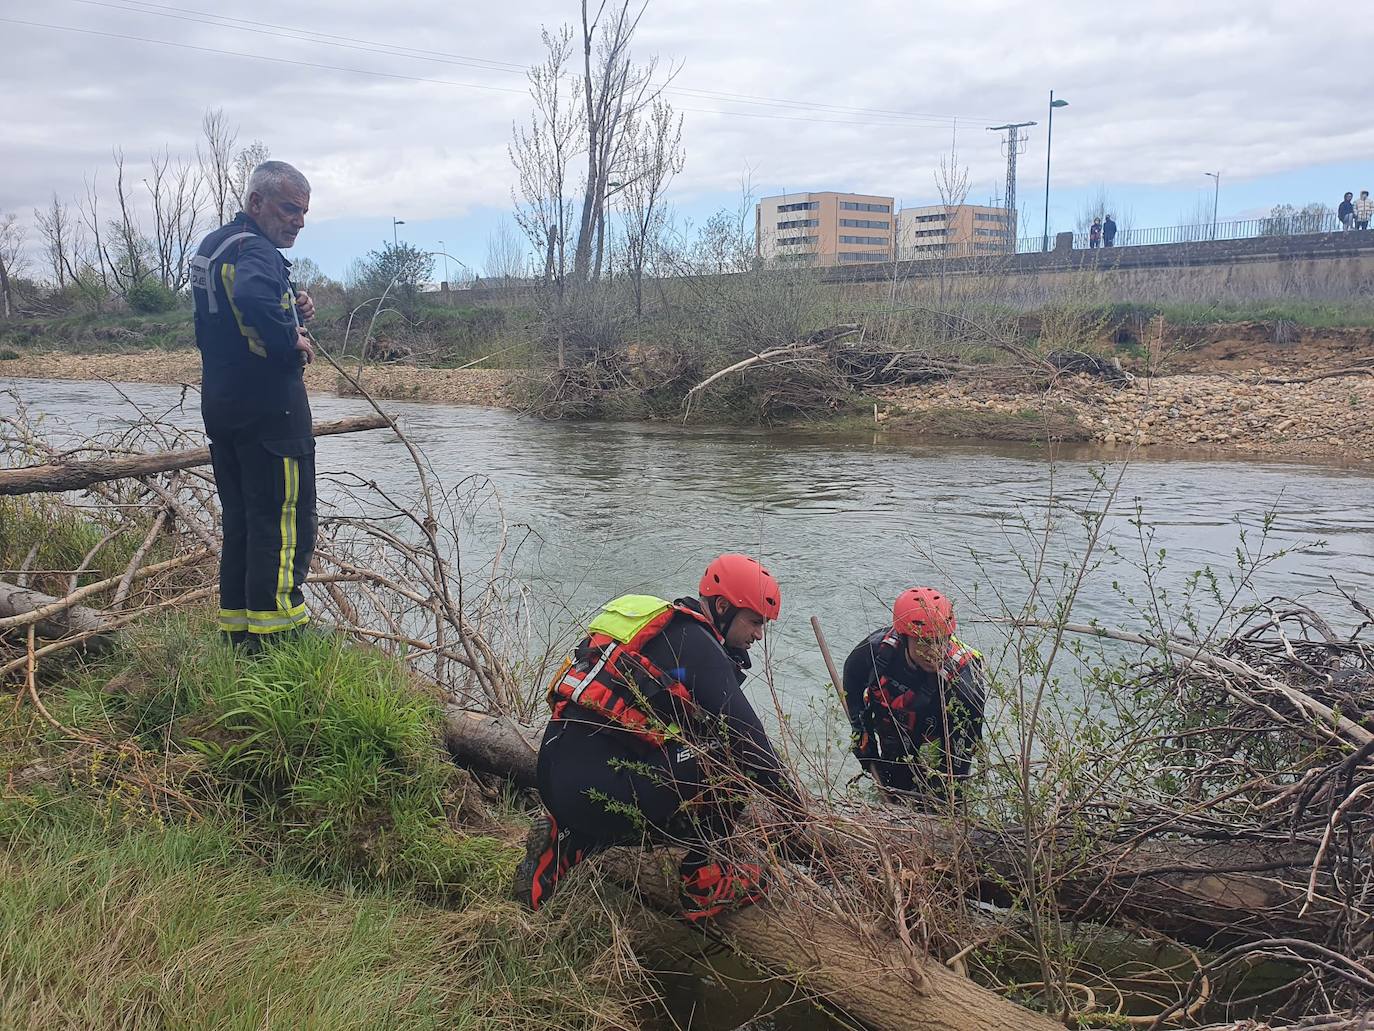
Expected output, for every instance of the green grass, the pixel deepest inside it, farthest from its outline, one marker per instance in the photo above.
(63, 540)
(321, 748)
(279, 841)
(1356, 312)
(170, 928)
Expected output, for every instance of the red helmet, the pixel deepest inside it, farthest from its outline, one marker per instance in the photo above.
(744, 583)
(923, 612)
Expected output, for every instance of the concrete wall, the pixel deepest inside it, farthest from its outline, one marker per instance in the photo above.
(1334, 266)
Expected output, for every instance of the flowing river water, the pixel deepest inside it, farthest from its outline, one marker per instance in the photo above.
(845, 522)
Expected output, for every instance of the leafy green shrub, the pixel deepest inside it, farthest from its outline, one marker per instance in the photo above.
(8, 355)
(149, 296)
(325, 751)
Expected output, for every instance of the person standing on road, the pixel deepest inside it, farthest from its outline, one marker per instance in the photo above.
(1346, 211)
(1364, 209)
(253, 400)
(1095, 233)
(915, 694)
(1109, 232)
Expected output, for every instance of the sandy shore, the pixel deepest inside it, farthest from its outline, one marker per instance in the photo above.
(403, 382)
(1327, 418)
(1330, 418)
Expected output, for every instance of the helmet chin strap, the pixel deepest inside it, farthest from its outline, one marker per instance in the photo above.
(722, 620)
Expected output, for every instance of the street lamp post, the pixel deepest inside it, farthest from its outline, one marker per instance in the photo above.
(1216, 196)
(1049, 140)
(394, 223)
(444, 251)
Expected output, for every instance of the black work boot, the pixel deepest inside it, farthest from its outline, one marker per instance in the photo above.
(548, 856)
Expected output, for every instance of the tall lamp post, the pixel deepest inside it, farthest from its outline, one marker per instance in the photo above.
(1049, 140)
(394, 223)
(444, 251)
(1216, 196)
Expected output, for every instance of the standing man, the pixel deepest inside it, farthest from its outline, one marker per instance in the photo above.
(915, 695)
(1109, 232)
(651, 738)
(1364, 209)
(257, 415)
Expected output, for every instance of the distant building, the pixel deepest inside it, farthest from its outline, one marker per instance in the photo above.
(825, 228)
(954, 231)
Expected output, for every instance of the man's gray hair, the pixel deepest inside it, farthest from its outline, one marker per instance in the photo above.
(271, 177)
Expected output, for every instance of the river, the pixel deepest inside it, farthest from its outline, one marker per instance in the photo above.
(845, 522)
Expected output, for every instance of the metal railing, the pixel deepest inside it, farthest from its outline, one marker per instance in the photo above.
(1243, 229)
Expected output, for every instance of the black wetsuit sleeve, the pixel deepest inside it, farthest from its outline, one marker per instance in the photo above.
(857, 675)
(712, 679)
(965, 716)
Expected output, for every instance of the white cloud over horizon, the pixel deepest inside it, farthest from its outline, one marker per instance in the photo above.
(1157, 93)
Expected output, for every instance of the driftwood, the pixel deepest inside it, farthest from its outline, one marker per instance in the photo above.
(35, 479)
(19, 603)
(815, 949)
(825, 956)
(1198, 892)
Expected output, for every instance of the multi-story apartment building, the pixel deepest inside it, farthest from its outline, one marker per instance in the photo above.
(954, 231)
(825, 228)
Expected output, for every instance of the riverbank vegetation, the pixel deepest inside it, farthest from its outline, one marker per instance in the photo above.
(1170, 821)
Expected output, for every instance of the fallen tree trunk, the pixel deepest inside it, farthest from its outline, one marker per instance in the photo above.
(1205, 893)
(61, 622)
(37, 479)
(826, 958)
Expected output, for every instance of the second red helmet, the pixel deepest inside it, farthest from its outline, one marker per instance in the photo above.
(744, 583)
(923, 612)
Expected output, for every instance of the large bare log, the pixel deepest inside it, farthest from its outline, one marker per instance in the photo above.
(810, 947)
(1206, 893)
(825, 956)
(60, 622)
(36, 479)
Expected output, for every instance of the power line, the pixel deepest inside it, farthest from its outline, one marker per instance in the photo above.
(443, 57)
(400, 75)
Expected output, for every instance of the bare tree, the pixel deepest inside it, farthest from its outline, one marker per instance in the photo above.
(128, 255)
(656, 153)
(88, 208)
(11, 261)
(249, 158)
(60, 243)
(505, 255)
(1100, 204)
(541, 152)
(217, 163)
(178, 196)
(614, 91)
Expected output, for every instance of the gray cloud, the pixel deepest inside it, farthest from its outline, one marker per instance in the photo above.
(1157, 91)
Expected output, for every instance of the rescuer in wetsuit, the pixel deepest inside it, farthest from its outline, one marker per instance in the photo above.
(254, 404)
(915, 696)
(651, 737)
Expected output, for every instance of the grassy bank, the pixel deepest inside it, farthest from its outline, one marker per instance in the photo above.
(209, 841)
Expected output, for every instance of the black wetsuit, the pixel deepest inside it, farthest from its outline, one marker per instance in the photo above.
(606, 786)
(951, 718)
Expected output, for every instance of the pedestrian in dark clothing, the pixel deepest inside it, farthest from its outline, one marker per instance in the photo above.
(1346, 211)
(1095, 233)
(255, 408)
(1109, 232)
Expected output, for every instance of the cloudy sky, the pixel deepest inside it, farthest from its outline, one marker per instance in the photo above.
(404, 110)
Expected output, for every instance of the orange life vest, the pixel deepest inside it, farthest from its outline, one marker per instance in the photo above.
(608, 673)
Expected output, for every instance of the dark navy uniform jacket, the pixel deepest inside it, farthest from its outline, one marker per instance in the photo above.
(251, 373)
